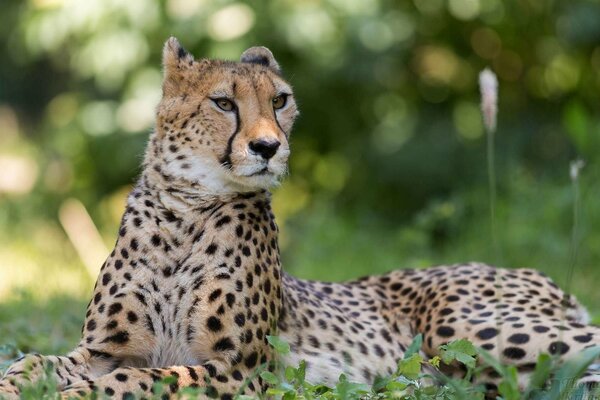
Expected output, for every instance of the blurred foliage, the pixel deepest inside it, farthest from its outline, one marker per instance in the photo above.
(388, 162)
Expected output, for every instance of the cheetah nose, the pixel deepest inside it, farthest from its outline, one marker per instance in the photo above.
(264, 148)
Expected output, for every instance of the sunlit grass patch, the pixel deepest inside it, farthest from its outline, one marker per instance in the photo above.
(43, 262)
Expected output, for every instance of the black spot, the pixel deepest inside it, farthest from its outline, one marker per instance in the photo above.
(91, 325)
(106, 278)
(192, 373)
(547, 311)
(239, 231)
(112, 325)
(119, 337)
(237, 375)
(169, 216)
(541, 329)
(251, 360)
(121, 377)
(446, 311)
(445, 331)
(114, 309)
(211, 249)
(514, 353)
(223, 221)
(113, 289)
(212, 371)
(583, 338)
(558, 348)
(155, 240)
(223, 344)
(487, 333)
(230, 299)
(519, 338)
(132, 317)
(214, 295)
(214, 324)
(240, 319)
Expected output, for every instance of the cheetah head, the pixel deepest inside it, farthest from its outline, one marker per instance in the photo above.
(223, 125)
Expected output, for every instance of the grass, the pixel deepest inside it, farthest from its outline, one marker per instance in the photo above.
(411, 380)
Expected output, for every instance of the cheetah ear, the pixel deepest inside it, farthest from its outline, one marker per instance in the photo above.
(175, 60)
(262, 56)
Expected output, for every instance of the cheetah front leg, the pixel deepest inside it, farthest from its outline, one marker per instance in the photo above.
(132, 383)
(63, 370)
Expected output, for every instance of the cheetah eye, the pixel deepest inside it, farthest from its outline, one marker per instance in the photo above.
(224, 104)
(280, 101)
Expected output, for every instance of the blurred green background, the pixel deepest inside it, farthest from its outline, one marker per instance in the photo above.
(388, 166)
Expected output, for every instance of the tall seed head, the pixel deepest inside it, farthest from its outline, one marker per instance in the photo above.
(488, 85)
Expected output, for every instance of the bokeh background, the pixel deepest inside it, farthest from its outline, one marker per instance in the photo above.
(388, 167)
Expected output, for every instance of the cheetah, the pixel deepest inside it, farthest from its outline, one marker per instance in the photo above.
(194, 285)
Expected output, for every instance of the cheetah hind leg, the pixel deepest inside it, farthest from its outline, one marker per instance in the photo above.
(35, 369)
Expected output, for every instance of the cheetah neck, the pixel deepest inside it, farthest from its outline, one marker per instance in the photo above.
(205, 179)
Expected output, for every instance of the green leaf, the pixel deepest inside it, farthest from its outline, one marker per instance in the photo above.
(414, 347)
(280, 345)
(320, 390)
(566, 377)
(380, 383)
(395, 386)
(275, 392)
(411, 367)
(509, 387)
(289, 395)
(269, 377)
(290, 373)
(348, 390)
(461, 350)
(301, 372)
(540, 375)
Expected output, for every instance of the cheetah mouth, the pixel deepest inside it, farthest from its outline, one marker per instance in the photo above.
(263, 171)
